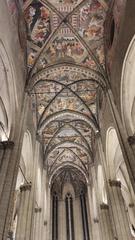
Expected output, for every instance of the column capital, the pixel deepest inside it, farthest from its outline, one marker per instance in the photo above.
(25, 187)
(38, 209)
(114, 183)
(131, 205)
(131, 140)
(104, 206)
(45, 223)
(6, 144)
(96, 220)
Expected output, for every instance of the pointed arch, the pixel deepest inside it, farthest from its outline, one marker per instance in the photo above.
(70, 150)
(61, 129)
(73, 92)
(60, 168)
(70, 143)
(66, 114)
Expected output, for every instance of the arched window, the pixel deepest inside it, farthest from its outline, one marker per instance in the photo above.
(55, 216)
(117, 170)
(128, 89)
(69, 216)
(8, 96)
(84, 216)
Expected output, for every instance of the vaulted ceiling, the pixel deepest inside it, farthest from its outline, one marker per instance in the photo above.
(66, 72)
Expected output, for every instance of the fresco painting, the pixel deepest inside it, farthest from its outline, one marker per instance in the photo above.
(89, 62)
(62, 2)
(54, 45)
(37, 17)
(69, 103)
(100, 55)
(31, 53)
(92, 17)
(65, 49)
(66, 99)
(67, 134)
(65, 76)
(65, 46)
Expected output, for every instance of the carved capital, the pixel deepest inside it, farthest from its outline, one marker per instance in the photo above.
(131, 140)
(104, 206)
(131, 205)
(25, 187)
(45, 223)
(6, 144)
(96, 220)
(114, 183)
(38, 210)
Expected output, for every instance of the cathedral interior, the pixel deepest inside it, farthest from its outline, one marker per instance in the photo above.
(67, 119)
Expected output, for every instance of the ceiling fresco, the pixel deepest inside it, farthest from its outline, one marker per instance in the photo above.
(61, 30)
(66, 71)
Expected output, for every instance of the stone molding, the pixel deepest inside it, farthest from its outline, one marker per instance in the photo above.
(131, 205)
(6, 144)
(131, 140)
(25, 187)
(38, 209)
(114, 183)
(45, 223)
(104, 206)
(96, 220)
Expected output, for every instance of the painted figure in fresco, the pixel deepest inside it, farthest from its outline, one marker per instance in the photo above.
(31, 57)
(91, 22)
(88, 62)
(64, 47)
(38, 21)
(100, 54)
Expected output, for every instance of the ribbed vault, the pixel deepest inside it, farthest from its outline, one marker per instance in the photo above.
(66, 73)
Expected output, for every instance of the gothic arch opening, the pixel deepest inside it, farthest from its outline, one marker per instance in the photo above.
(128, 90)
(8, 96)
(117, 171)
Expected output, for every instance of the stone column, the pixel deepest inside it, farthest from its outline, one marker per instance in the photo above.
(131, 213)
(9, 169)
(119, 211)
(37, 233)
(44, 206)
(23, 211)
(6, 148)
(31, 219)
(105, 223)
(94, 221)
(126, 142)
